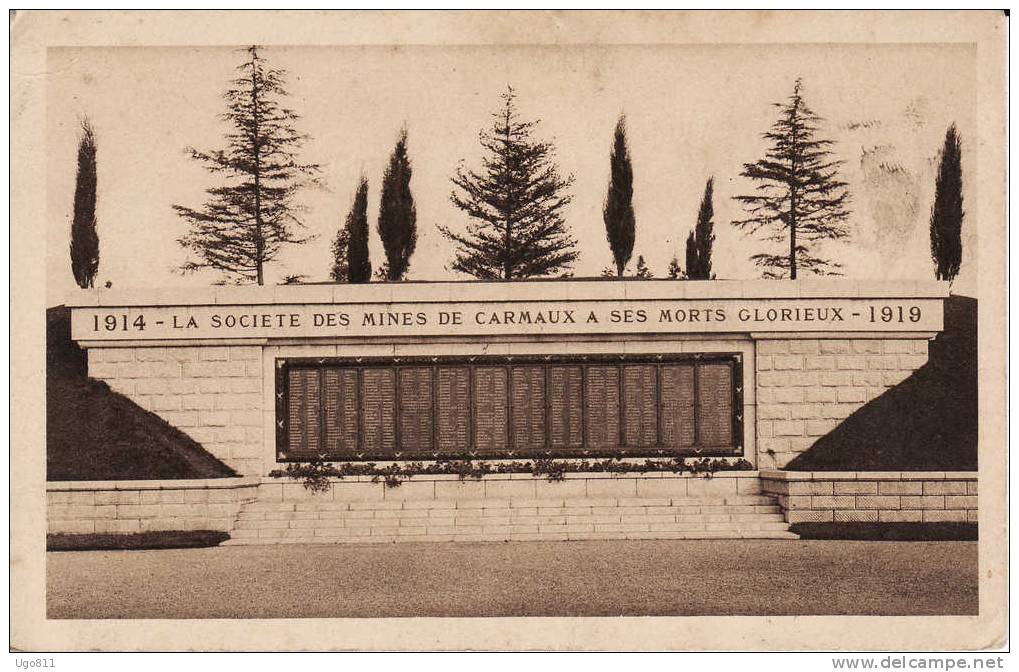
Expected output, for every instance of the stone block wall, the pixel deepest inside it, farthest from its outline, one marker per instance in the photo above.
(127, 507)
(876, 496)
(802, 389)
(211, 393)
(805, 387)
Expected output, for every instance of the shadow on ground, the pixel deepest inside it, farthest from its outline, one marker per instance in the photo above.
(926, 423)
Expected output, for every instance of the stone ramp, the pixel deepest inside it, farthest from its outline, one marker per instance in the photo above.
(308, 520)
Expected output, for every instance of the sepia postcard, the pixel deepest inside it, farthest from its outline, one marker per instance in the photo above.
(512, 330)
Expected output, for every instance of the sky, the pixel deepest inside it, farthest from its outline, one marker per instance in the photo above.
(693, 111)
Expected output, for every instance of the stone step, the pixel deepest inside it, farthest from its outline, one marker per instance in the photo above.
(314, 520)
(297, 519)
(326, 505)
(311, 513)
(397, 502)
(427, 526)
(732, 533)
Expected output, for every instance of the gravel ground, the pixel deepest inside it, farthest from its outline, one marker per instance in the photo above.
(587, 578)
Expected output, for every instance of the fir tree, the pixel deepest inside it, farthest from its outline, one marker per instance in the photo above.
(516, 202)
(800, 201)
(84, 238)
(620, 227)
(359, 267)
(247, 220)
(702, 238)
(947, 212)
(397, 224)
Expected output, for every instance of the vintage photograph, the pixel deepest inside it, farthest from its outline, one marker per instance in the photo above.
(503, 327)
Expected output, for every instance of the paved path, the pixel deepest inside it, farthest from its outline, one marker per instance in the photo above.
(580, 578)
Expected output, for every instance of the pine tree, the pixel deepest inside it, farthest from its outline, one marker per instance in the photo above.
(397, 224)
(947, 212)
(246, 221)
(800, 200)
(620, 227)
(516, 201)
(84, 238)
(702, 238)
(359, 267)
(674, 272)
(643, 272)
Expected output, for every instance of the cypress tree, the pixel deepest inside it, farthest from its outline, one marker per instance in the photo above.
(84, 238)
(947, 212)
(617, 211)
(397, 224)
(516, 201)
(691, 255)
(359, 267)
(340, 272)
(800, 199)
(702, 238)
(247, 221)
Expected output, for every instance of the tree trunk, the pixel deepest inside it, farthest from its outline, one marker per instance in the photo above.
(792, 194)
(792, 224)
(259, 241)
(507, 268)
(792, 235)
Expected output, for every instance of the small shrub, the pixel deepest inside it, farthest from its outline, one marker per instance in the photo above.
(315, 474)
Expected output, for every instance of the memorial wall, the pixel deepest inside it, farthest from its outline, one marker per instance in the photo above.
(420, 371)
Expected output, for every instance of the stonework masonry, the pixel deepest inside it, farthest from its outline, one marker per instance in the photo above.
(806, 387)
(129, 507)
(217, 394)
(875, 496)
(211, 393)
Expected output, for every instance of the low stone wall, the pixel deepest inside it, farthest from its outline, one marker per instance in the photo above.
(124, 507)
(513, 507)
(874, 496)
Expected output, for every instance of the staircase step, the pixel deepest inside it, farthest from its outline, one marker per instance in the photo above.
(319, 520)
(451, 505)
(660, 514)
(311, 519)
(305, 504)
